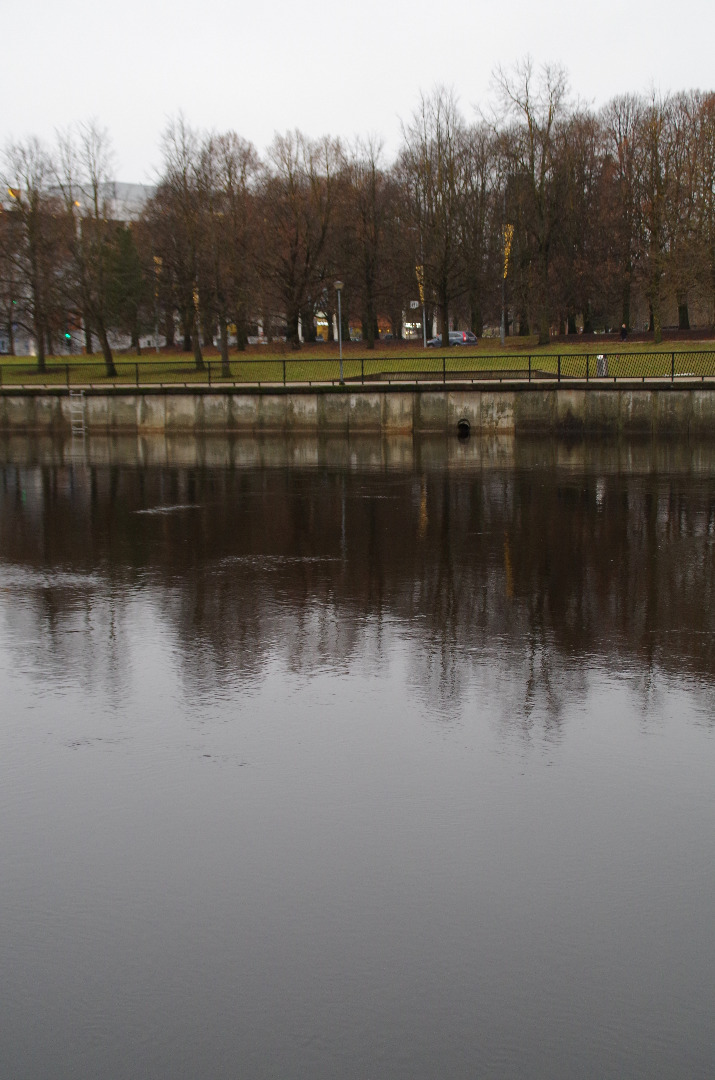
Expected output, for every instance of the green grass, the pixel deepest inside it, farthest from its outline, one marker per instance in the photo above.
(270, 364)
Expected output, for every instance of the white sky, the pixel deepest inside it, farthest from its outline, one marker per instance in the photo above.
(340, 69)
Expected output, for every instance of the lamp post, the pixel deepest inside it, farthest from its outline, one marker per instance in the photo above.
(338, 288)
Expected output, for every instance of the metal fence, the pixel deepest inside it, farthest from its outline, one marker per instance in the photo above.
(385, 369)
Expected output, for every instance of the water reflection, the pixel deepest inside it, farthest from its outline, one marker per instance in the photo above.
(532, 559)
(384, 758)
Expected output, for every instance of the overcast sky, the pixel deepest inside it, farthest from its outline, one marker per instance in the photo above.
(342, 69)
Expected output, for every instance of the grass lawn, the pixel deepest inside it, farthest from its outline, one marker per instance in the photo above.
(319, 363)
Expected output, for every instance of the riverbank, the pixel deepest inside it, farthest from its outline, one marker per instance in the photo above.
(684, 407)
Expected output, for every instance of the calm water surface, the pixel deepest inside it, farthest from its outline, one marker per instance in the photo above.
(376, 760)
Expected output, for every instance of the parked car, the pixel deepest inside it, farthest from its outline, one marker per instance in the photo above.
(456, 337)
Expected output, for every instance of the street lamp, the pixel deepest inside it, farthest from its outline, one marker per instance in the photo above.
(338, 288)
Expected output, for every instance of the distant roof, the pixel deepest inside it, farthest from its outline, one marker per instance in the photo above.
(126, 201)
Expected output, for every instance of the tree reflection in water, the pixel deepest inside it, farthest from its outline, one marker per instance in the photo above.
(531, 562)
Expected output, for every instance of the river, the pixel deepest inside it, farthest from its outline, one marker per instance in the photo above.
(375, 759)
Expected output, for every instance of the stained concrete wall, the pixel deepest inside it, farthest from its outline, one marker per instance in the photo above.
(624, 408)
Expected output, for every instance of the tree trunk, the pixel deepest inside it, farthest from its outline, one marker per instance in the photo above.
(292, 329)
(88, 344)
(444, 313)
(223, 332)
(169, 330)
(571, 323)
(657, 323)
(308, 324)
(683, 315)
(656, 318)
(106, 352)
(345, 328)
(241, 324)
(429, 319)
(476, 319)
(196, 342)
(626, 303)
(40, 340)
(10, 337)
(544, 319)
(186, 317)
(210, 328)
(368, 327)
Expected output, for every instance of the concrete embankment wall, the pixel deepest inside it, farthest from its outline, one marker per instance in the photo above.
(622, 408)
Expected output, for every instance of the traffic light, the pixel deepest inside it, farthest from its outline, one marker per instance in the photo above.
(68, 340)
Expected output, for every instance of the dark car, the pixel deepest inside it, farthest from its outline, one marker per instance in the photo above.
(456, 337)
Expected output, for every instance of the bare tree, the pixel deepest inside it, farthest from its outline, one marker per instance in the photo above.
(431, 164)
(681, 214)
(297, 200)
(536, 104)
(10, 279)
(84, 177)
(622, 119)
(363, 209)
(584, 252)
(173, 218)
(655, 149)
(480, 215)
(32, 239)
(226, 179)
(705, 142)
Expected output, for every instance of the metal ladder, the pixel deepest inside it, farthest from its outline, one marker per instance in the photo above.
(77, 413)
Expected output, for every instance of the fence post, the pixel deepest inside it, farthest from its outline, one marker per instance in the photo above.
(208, 366)
(558, 376)
(362, 370)
(136, 374)
(586, 367)
(672, 367)
(529, 367)
(284, 370)
(444, 370)
(67, 375)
